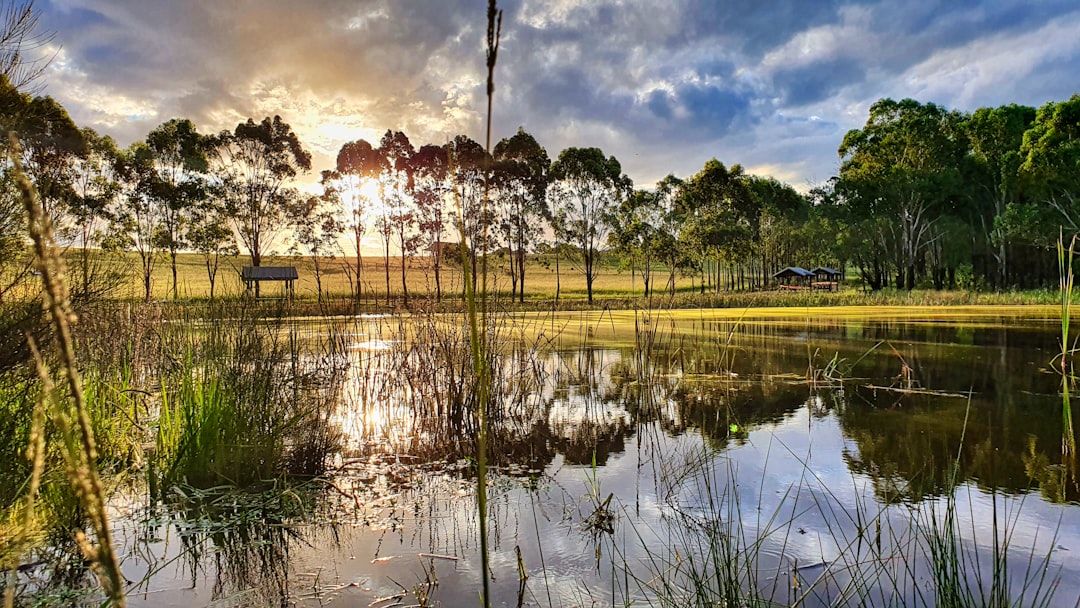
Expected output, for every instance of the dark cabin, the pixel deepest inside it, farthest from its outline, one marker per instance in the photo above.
(826, 278)
(794, 277)
(254, 276)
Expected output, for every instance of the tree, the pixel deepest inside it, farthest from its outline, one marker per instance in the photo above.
(137, 224)
(522, 173)
(178, 182)
(589, 189)
(316, 231)
(635, 234)
(257, 161)
(995, 136)
(777, 239)
(720, 218)
(210, 235)
(357, 164)
(430, 170)
(1051, 153)
(397, 215)
(468, 162)
(95, 189)
(905, 165)
(50, 144)
(20, 37)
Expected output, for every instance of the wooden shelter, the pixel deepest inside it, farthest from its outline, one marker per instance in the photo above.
(794, 277)
(253, 276)
(826, 278)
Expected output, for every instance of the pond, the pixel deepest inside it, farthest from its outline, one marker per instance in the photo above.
(881, 457)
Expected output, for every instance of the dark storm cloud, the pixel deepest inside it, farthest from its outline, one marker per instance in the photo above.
(817, 81)
(664, 86)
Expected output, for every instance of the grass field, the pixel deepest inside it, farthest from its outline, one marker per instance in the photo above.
(615, 287)
(541, 280)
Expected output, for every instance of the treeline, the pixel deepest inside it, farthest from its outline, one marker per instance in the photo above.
(929, 196)
(925, 197)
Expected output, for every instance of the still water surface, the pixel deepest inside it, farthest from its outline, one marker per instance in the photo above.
(818, 447)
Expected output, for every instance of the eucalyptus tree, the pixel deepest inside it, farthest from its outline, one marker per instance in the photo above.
(720, 218)
(468, 162)
(137, 224)
(778, 238)
(210, 235)
(521, 175)
(315, 233)
(904, 164)
(589, 188)
(358, 164)
(430, 171)
(397, 216)
(95, 185)
(996, 136)
(1051, 153)
(50, 145)
(636, 236)
(179, 181)
(256, 163)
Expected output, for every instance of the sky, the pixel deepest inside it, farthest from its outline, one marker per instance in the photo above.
(663, 86)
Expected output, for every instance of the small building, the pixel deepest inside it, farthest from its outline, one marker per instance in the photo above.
(794, 277)
(253, 276)
(826, 278)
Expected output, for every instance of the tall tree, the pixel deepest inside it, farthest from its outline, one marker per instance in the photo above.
(179, 181)
(468, 162)
(138, 222)
(257, 162)
(96, 187)
(358, 163)
(720, 218)
(635, 234)
(211, 236)
(590, 187)
(397, 214)
(522, 173)
(316, 230)
(430, 170)
(51, 146)
(904, 164)
(995, 136)
(1051, 152)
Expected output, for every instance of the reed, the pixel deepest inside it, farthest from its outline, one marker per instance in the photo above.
(245, 400)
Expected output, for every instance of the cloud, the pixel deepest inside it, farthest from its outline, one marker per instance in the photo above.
(662, 87)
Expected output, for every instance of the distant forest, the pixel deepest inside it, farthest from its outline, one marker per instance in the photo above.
(925, 197)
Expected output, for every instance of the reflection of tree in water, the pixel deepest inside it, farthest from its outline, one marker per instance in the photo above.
(909, 443)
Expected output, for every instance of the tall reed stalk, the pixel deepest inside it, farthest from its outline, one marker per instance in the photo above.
(70, 413)
(1065, 257)
(477, 321)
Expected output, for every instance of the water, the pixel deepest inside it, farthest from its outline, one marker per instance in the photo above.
(815, 451)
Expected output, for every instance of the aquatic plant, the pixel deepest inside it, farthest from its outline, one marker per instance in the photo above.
(244, 400)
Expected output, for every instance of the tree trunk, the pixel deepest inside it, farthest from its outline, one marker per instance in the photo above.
(172, 260)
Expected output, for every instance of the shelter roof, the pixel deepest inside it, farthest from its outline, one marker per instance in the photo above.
(793, 271)
(269, 273)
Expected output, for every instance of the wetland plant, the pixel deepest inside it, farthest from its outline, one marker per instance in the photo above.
(245, 400)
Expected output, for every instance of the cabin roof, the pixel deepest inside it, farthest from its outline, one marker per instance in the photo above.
(826, 270)
(269, 273)
(793, 271)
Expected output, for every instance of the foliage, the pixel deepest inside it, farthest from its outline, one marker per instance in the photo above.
(256, 164)
(586, 191)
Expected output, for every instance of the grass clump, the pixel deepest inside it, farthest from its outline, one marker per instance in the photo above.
(245, 400)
